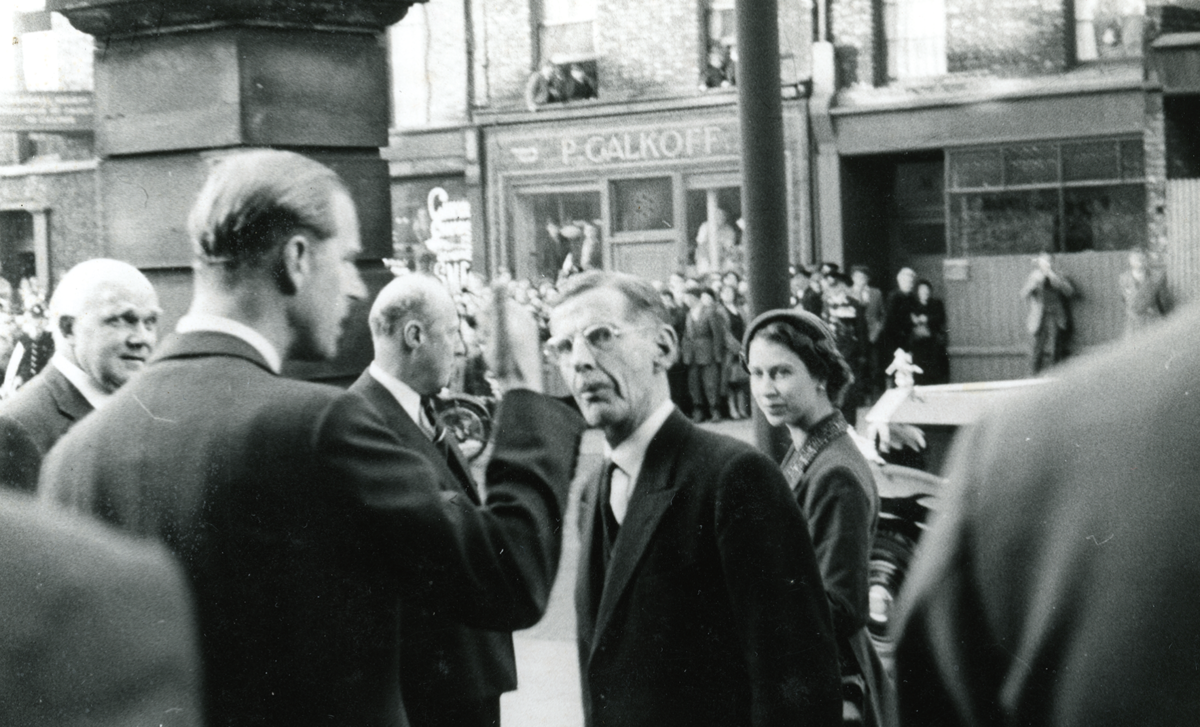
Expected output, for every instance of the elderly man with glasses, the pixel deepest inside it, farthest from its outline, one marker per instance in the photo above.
(698, 598)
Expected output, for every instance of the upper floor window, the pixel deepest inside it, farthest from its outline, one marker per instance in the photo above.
(915, 31)
(721, 57)
(566, 32)
(1108, 29)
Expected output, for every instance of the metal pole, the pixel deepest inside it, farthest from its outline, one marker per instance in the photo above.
(764, 182)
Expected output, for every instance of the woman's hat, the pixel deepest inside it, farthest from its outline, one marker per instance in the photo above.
(803, 321)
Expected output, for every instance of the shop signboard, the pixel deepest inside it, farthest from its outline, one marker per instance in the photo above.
(48, 111)
(598, 147)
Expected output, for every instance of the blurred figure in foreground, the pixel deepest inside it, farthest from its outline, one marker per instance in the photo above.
(301, 519)
(798, 378)
(1058, 584)
(95, 628)
(1144, 290)
(104, 317)
(698, 600)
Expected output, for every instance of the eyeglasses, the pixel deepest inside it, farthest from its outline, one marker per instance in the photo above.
(600, 337)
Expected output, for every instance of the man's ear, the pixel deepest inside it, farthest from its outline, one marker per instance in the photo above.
(294, 264)
(413, 334)
(668, 348)
(66, 326)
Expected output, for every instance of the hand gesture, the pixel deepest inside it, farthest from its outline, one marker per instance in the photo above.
(511, 345)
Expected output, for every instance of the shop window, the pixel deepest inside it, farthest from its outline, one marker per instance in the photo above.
(1108, 29)
(642, 205)
(915, 38)
(18, 259)
(720, 64)
(1056, 197)
(567, 231)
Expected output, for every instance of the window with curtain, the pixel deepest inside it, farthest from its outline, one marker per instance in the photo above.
(567, 30)
(1108, 29)
(915, 34)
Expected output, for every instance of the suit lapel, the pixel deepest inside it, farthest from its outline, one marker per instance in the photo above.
(69, 400)
(652, 495)
(398, 420)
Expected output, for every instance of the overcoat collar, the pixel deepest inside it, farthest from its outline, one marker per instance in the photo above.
(69, 400)
(655, 489)
(209, 343)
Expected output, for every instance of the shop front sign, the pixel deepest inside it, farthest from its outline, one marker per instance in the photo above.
(598, 148)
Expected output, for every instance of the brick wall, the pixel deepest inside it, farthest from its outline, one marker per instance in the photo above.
(503, 35)
(71, 200)
(1006, 37)
(644, 50)
(853, 31)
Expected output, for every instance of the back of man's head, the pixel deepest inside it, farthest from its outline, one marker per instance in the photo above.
(255, 200)
(414, 328)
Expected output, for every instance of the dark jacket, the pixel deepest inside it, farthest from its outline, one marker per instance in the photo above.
(704, 337)
(1058, 583)
(836, 492)
(32, 421)
(303, 522)
(95, 628)
(711, 610)
(443, 661)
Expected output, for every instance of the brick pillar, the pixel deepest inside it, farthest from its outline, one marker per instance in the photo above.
(179, 84)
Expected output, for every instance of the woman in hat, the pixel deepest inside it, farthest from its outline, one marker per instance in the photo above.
(797, 378)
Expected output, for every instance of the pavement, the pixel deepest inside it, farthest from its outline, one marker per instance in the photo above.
(548, 693)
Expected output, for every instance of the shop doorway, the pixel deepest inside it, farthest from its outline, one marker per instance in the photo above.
(18, 257)
(553, 231)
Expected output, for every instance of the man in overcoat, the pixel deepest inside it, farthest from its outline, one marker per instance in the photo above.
(698, 599)
(452, 675)
(104, 318)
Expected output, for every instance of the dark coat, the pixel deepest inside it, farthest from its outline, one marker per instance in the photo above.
(95, 629)
(1058, 584)
(836, 492)
(711, 611)
(704, 338)
(303, 522)
(443, 661)
(31, 421)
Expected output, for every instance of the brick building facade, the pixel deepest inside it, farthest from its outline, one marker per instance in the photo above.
(962, 137)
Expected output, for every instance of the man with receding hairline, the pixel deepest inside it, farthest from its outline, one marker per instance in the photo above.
(451, 675)
(104, 319)
(300, 519)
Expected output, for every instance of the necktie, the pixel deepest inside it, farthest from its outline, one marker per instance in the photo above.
(619, 493)
(432, 424)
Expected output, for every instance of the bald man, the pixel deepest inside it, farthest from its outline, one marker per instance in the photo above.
(104, 319)
(450, 674)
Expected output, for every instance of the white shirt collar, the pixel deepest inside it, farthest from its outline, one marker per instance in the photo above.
(630, 454)
(80, 379)
(409, 399)
(195, 322)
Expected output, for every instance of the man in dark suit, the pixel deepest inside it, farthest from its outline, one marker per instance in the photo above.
(698, 600)
(95, 628)
(1049, 293)
(104, 316)
(1058, 585)
(703, 352)
(301, 519)
(451, 675)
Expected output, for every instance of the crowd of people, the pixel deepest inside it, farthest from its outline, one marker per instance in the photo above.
(191, 538)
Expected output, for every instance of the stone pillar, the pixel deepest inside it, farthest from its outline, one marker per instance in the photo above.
(179, 84)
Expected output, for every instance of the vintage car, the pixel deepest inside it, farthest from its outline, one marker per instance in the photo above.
(915, 425)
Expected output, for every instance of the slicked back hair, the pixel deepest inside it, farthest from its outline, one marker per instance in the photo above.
(640, 296)
(253, 201)
(401, 300)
